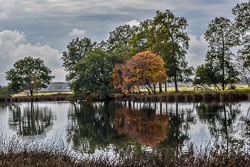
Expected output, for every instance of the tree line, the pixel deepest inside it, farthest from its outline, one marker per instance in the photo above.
(150, 55)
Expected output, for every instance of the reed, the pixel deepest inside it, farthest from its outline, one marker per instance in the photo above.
(14, 152)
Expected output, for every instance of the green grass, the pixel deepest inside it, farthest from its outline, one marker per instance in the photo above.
(239, 88)
(22, 94)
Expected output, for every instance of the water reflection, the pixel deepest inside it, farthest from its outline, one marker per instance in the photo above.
(91, 126)
(113, 127)
(144, 126)
(161, 126)
(30, 120)
(180, 123)
(221, 120)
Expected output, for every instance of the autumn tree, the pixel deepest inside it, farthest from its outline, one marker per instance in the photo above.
(29, 74)
(144, 69)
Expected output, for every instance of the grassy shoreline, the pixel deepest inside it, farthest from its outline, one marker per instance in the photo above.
(204, 96)
(184, 95)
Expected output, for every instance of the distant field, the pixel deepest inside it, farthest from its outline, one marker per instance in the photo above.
(22, 94)
(240, 88)
(191, 89)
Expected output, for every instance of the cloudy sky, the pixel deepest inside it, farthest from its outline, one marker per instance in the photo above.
(43, 28)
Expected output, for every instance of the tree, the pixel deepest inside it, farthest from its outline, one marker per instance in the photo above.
(120, 36)
(220, 37)
(206, 76)
(29, 73)
(242, 27)
(243, 66)
(209, 74)
(93, 74)
(242, 16)
(172, 42)
(144, 39)
(77, 50)
(144, 69)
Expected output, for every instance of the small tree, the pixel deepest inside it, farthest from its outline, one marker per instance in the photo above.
(28, 73)
(144, 69)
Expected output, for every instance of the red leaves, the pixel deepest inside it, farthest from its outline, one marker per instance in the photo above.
(145, 68)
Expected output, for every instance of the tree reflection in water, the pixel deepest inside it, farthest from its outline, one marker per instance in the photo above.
(91, 126)
(161, 126)
(179, 125)
(98, 125)
(221, 120)
(142, 125)
(30, 120)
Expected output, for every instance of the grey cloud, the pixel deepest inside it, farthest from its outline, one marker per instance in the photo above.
(46, 24)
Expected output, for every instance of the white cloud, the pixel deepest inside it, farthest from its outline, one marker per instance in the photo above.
(14, 46)
(77, 32)
(133, 23)
(197, 50)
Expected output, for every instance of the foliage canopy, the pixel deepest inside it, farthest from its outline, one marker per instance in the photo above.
(29, 74)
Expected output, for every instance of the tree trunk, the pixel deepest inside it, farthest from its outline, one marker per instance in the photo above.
(247, 81)
(149, 92)
(31, 92)
(160, 88)
(222, 62)
(154, 89)
(175, 83)
(166, 89)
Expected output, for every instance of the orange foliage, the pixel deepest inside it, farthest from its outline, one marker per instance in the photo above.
(144, 68)
(146, 128)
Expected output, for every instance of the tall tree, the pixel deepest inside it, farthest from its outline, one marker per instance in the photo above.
(242, 27)
(76, 51)
(220, 37)
(120, 37)
(28, 73)
(172, 42)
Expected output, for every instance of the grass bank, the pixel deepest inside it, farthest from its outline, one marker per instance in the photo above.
(23, 94)
(14, 153)
(41, 96)
(188, 96)
(185, 94)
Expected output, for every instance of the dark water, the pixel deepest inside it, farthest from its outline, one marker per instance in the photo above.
(107, 128)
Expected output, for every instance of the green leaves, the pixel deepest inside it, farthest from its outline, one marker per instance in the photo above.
(77, 50)
(242, 16)
(28, 73)
(93, 74)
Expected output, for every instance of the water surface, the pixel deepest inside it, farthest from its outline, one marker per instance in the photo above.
(104, 128)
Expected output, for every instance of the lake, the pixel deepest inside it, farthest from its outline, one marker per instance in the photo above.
(107, 128)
